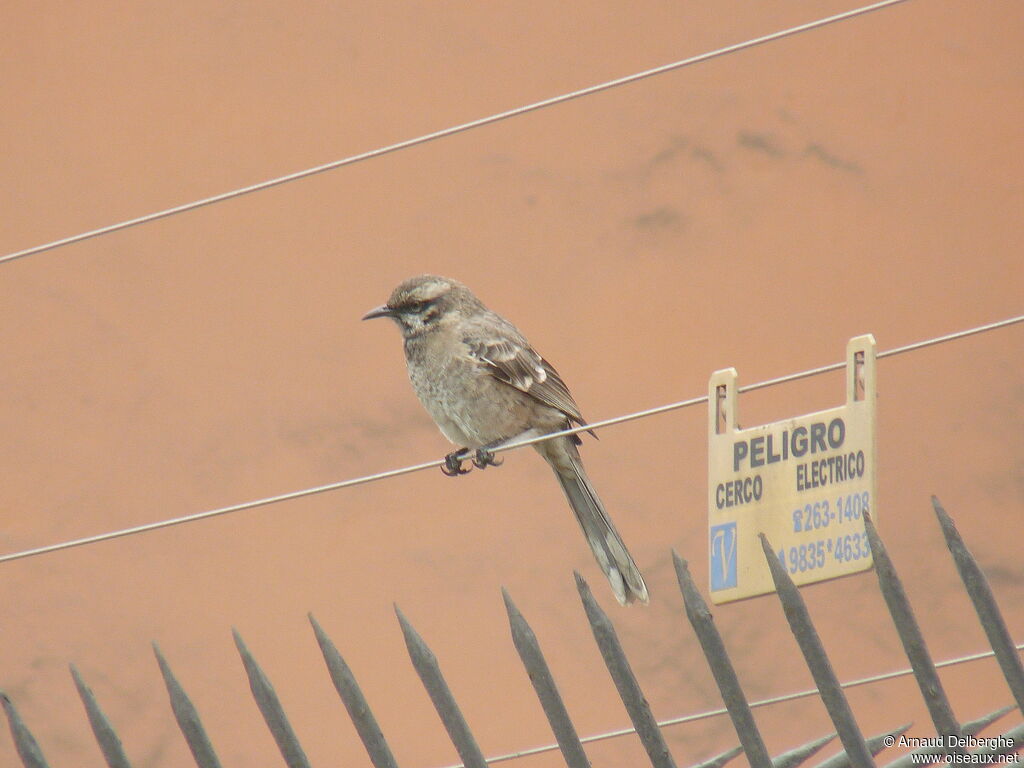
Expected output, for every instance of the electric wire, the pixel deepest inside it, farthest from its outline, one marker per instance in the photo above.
(478, 123)
(754, 704)
(107, 536)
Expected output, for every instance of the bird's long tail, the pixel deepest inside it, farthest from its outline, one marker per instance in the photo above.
(612, 555)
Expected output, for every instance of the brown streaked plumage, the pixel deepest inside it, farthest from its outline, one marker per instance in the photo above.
(484, 385)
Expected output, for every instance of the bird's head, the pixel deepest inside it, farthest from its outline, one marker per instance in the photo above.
(424, 302)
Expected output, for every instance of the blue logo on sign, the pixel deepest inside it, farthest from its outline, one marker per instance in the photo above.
(723, 556)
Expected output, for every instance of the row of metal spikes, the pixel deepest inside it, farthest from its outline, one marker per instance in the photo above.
(858, 751)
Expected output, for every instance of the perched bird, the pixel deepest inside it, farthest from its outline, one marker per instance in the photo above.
(485, 386)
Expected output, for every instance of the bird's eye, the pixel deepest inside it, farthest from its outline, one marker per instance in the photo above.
(416, 306)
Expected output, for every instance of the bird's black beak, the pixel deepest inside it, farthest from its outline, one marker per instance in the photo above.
(382, 311)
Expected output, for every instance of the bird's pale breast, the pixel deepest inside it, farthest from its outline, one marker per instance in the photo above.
(469, 405)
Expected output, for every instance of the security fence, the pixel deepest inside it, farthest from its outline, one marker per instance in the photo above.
(956, 742)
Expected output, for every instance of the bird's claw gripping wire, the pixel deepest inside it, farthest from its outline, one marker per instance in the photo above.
(482, 458)
(452, 466)
(485, 458)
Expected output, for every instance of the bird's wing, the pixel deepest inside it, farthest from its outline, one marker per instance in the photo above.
(509, 358)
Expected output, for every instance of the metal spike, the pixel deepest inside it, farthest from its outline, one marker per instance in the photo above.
(26, 744)
(806, 635)
(625, 681)
(984, 604)
(187, 716)
(974, 727)
(880, 743)
(526, 644)
(721, 667)
(875, 745)
(721, 760)
(910, 635)
(426, 665)
(270, 707)
(794, 757)
(352, 696)
(104, 732)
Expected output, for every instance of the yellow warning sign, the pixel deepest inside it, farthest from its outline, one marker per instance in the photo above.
(803, 482)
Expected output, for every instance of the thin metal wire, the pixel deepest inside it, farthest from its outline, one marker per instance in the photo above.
(550, 102)
(518, 444)
(722, 711)
(219, 511)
